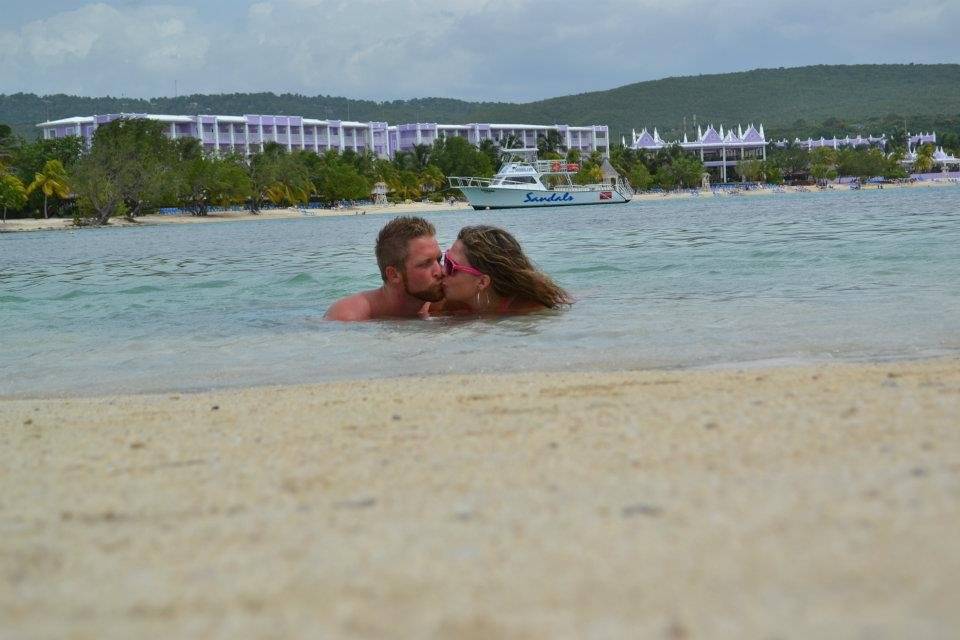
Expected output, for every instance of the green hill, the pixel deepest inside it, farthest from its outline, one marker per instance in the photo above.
(793, 101)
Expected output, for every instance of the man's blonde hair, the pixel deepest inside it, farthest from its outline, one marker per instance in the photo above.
(393, 242)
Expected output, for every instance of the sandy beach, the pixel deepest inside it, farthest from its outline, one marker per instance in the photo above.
(31, 224)
(804, 502)
(769, 190)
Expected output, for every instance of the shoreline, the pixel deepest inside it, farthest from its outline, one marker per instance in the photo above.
(770, 190)
(801, 501)
(50, 224)
(18, 225)
(720, 367)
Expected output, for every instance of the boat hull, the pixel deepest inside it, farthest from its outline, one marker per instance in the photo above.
(493, 198)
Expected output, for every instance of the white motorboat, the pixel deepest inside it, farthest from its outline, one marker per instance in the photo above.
(524, 181)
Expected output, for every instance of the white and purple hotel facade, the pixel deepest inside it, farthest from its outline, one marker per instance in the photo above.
(248, 133)
(718, 150)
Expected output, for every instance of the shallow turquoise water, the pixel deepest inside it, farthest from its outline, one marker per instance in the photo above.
(710, 281)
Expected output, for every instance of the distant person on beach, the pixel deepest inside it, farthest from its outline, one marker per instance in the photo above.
(409, 259)
(487, 273)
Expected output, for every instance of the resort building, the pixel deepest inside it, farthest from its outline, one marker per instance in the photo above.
(880, 142)
(942, 161)
(718, 150)
(243, 134)
(920, 139)
(404, 137)
(248, 133)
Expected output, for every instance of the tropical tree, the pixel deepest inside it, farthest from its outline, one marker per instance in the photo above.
(232, 183)
(512, 141)
(404, 160)
(924, 161)
(750, 170)
(432, 179)
(132, 167)
(823, 164)
(894, 169)
(456, 156)
(27, 159)
(99, 196)
(278, 176)
(589, 173)
(52, 181)
(792, 162)
(824, 155)
(211, 180)
(405, 186)
(421, 155)
(639, 177)
(550, 143)
(771, 172)
(336, 177)
(13, 195)
(489, 149)
(822, 172)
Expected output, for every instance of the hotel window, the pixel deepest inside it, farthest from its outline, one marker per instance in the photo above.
(334, 131)
(281, 128)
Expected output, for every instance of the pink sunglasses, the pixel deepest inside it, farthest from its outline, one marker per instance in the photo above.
(451, 266)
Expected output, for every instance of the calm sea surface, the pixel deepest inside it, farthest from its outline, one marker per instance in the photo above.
(704, 282)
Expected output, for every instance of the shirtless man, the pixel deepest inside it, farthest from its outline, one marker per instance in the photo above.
(409, 259)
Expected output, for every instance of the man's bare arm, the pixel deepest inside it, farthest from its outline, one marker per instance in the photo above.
(352, 309)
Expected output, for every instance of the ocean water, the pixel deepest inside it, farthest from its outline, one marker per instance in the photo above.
(703, 282)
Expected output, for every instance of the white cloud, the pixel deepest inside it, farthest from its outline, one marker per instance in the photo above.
(493, 50)
(106, 49)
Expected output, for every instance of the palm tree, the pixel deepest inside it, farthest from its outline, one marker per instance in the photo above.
(12, 193)
(512, 141)
(924, 161)
(52, 181)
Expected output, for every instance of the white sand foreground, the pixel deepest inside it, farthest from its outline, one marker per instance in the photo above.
(809, 502)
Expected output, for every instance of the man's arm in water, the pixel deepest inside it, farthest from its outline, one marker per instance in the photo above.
(356, 307)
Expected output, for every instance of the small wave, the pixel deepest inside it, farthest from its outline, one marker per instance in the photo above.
(211, 284)
(76, 293)
(300, 278)
(141, 289)
(597, 268)
(12, 298)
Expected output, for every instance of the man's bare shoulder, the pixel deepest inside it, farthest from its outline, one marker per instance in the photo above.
(354, 308)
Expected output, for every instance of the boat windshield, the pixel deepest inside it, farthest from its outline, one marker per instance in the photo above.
(514, 179)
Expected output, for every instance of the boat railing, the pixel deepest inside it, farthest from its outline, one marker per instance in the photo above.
(623, 188)
(556, 166)
(458, 182)
(498, 181)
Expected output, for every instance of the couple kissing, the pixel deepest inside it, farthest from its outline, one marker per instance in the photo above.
(484, 273)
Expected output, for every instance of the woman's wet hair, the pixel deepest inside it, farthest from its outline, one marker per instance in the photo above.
(498, 254)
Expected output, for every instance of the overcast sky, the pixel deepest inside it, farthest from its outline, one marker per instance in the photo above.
(517, 50)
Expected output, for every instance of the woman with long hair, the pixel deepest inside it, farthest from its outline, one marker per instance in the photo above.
(487, 273)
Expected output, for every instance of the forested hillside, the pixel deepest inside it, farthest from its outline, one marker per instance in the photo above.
(789, 102)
